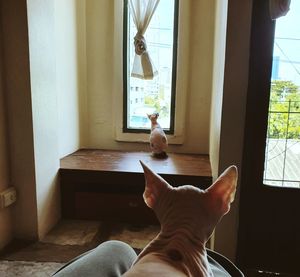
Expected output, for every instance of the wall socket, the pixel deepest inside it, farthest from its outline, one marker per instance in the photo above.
(8, 197)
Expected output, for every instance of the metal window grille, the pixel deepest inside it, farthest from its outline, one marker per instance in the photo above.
(282, 160)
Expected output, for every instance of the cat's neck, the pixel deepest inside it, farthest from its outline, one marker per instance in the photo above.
(154, 126)
(182, 250)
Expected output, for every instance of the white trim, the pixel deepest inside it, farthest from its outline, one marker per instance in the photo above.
(181, 81)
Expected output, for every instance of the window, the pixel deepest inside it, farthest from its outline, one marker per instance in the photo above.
(283, 138)
(157, 95)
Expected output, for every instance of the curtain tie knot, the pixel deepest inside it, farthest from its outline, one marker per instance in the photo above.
(140, 44)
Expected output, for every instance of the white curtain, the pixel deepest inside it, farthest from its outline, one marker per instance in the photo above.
(142, 12)
(279, 8)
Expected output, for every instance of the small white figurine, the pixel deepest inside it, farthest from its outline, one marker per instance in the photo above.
(158, 139)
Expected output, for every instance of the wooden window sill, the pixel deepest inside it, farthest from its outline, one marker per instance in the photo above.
(106, 184)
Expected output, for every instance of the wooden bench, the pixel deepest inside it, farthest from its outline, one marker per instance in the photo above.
(108, 185)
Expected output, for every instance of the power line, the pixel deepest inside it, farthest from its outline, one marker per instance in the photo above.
(286, 56)
(287, 61)
(287, 38)
(287, 148)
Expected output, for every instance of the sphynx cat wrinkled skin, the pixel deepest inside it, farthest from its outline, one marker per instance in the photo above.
(188, 216)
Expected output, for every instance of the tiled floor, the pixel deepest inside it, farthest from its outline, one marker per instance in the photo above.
(27, 269)
(73, 232)
(67, 240)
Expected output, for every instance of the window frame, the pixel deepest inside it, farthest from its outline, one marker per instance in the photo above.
(126, 72)
(273, 219)
(182, 79)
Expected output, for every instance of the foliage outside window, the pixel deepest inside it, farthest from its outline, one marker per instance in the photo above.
(284, 110)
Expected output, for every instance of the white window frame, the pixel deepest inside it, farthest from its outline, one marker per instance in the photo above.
(181, 77)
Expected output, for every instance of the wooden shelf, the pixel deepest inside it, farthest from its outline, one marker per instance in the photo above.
(119, 161)
(106, 184)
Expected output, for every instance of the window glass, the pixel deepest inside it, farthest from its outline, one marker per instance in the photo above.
(144, 97)
(282, 160)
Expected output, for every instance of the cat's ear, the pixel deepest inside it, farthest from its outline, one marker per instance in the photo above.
(222, 191)
(155, 186)
(149, 116)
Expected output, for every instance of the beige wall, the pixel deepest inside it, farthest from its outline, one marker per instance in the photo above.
(70, 61)
(6, 213)
(101, 73)
(233, 112)
(217, 87)
(42, 77)
(44, 111)
(16, 80)
(57, 73)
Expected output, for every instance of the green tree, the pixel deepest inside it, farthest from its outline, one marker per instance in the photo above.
(153, 101)
(158, 103)
(284, 110)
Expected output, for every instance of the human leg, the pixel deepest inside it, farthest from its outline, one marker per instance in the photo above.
(109, 259)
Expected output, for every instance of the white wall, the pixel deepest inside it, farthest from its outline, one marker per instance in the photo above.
(218, 82)
(201, 70)
(44, 111)
(70, 58)
(56, 80)
(101, 77)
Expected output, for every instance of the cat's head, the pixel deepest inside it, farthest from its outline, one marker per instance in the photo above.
(153, 117)
(188, 207)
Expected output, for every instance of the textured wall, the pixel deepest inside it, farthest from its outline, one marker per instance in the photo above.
(101, 73)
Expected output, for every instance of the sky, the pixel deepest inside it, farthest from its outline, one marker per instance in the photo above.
(287, 43)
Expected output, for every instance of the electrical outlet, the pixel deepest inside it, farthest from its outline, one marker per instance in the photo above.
(8, 197)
